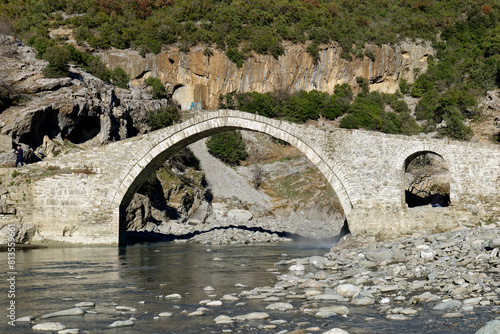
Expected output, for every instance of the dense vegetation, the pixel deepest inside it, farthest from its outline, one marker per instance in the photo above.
(367, 110)
(466, 34)
(228, 146)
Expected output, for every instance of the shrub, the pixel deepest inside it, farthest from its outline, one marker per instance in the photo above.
(302, 106)
(228, 147)
(58, 58)
(313, 50)
(227, 101)
(161, 118)
(455, 128)
(236, 56)
(363, 84)
(404, 87)
(119, 78)
(340, 102)
(158, 87)
(256, 103)
(422, 86)
(368, 112)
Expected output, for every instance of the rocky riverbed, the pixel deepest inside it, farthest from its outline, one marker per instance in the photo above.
(451, 275)
(454, 273)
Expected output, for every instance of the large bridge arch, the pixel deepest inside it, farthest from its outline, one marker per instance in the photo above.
(162, 144)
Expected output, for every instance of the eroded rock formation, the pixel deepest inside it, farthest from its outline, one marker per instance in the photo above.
(80, 108)
(199, 76)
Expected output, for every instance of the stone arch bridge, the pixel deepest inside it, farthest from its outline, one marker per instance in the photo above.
(365, 169)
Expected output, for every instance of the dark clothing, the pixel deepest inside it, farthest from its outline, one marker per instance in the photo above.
(437, 200)
(19, 159)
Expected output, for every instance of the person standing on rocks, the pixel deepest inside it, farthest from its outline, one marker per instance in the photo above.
(19, 155)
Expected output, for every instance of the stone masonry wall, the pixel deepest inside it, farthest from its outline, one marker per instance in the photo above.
(365, 169)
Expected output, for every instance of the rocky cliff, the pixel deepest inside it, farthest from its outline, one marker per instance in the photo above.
(201, 76)
(80, 108)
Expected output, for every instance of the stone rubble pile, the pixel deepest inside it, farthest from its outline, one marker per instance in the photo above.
(232, 236)
(452, 273)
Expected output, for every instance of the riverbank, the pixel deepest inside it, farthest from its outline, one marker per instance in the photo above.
(439, 283)
(453, 274)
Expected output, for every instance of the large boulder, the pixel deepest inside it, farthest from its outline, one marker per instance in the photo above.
(379, 254)
(492, 327)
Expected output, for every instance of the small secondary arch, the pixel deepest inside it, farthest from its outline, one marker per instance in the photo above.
(162, 144)
(410, 154)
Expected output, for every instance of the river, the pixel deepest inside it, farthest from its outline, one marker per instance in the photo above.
(139, 276)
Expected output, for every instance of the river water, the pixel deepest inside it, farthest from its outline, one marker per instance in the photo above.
(55, 279)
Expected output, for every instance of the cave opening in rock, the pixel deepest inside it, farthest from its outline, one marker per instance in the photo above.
(43, 123)
(85, 129)
(131, 129)
(427, 180)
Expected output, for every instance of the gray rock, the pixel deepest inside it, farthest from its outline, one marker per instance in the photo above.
(223, 319)
(328, 311)
(239, 216)
(379, 254)
(297, 267)
(279, 306)
(362, 301)
(85, 304)
(230, 298)
(68, 312)
(347, 290)
(122, 323)
(494, 243)
(69, 331)
(197, 313)
(125, 308)
(492, 327)
(49, 326)
(214, 303)
(328, 296)
(424, 297)
(252, 316)
(452, 315)
(336, 331)
(165, 314)
(448, 305)
(397, 317)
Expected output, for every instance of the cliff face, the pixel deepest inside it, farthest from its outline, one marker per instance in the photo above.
(80, 107)
(197, 77)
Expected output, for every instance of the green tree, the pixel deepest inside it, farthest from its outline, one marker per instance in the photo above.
(158, 87)
(228, 147)
(228, 101)
(455, 128)
(256, 103)
(58, 58)
(119, 78)
(162, 118)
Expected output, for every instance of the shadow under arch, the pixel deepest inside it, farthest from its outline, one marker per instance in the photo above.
(163, 144)
(410, 154)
